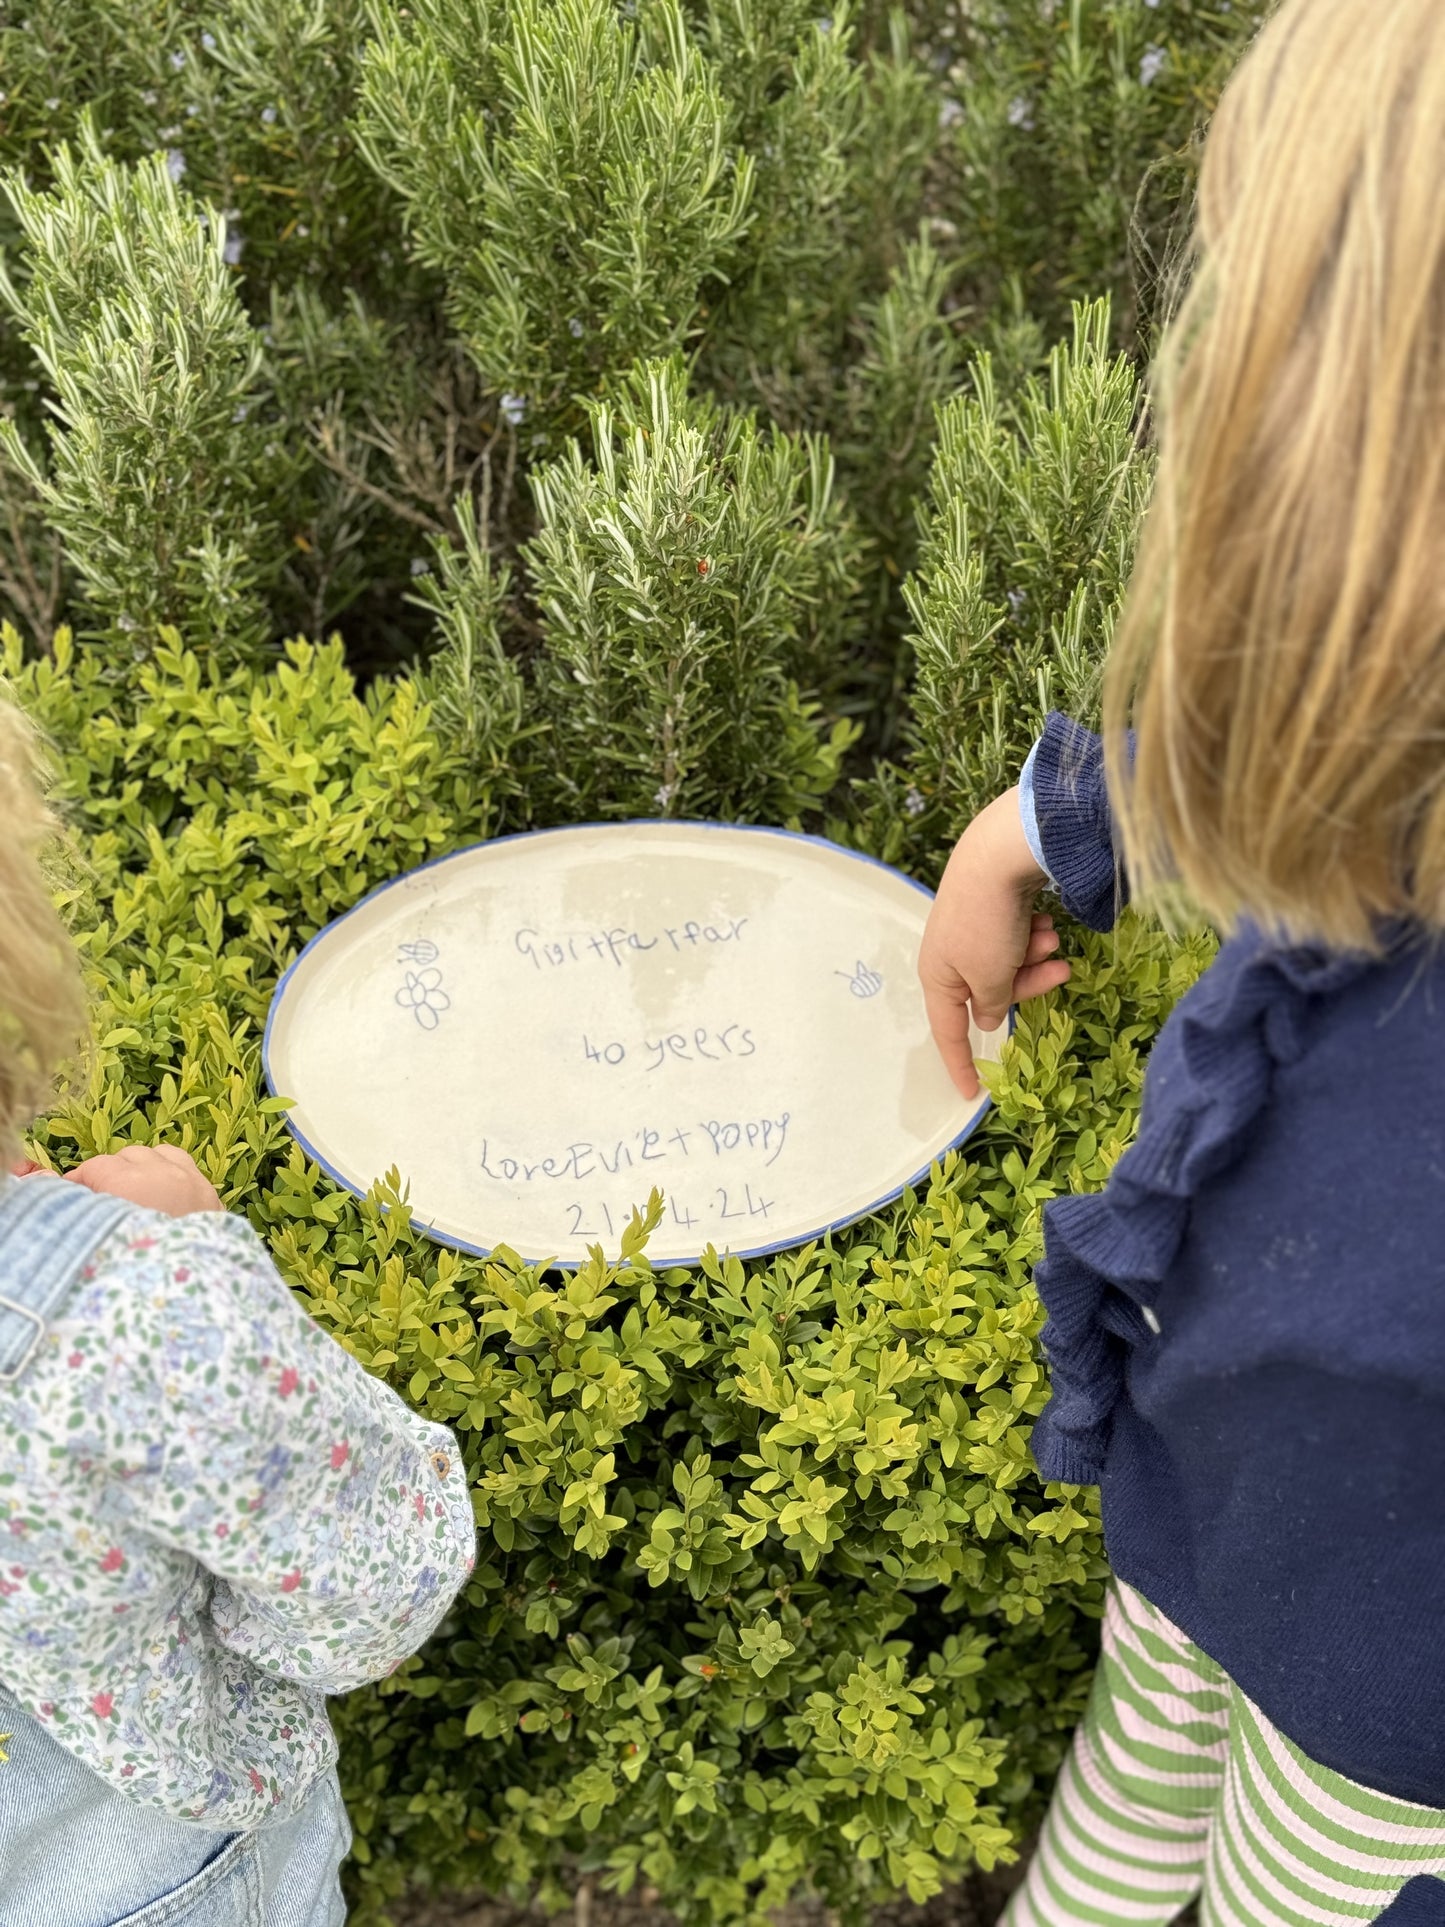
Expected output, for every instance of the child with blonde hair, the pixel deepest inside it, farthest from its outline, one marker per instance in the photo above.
(210, 1515)
(1246, 1329)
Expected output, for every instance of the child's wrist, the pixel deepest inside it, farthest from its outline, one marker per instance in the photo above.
(1002, 826)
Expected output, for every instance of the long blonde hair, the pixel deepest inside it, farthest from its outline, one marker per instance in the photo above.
(1282, 650)
(42, 1005)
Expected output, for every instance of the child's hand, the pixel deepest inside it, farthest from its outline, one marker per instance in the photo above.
(983, 946)
(161, 1177)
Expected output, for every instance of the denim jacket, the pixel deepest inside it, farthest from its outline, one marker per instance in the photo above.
(210, 1518)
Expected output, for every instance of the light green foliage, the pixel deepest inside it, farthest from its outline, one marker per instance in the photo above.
(222, 816)
(155, 473)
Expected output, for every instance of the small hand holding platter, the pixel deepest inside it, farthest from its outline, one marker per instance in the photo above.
(540, 1030)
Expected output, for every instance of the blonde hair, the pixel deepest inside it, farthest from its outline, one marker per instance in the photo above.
(42, 1004)
(1282, 650)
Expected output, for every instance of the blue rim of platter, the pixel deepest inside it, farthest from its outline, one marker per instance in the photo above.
(561, 829)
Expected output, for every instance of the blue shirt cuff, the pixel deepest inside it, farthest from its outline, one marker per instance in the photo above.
(1028, 813)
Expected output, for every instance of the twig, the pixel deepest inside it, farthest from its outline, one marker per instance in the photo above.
(38, 604)
(326, 440)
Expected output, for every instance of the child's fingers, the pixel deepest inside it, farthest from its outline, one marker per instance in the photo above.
(1042, 943)
(947, 1007)
(156, 1177)
(1037, 979)
(173, 1154)
(91, 1175)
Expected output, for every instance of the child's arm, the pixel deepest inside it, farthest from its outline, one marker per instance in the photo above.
(984, 948)
(338, 1523)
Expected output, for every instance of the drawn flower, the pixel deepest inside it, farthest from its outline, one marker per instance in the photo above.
(424, 997)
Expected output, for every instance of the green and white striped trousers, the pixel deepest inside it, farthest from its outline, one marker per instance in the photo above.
(1178, 1787)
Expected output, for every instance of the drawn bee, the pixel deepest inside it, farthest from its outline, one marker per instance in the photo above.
(862, 981)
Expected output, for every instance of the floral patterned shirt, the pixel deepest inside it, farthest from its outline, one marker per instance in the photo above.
(211, 1517)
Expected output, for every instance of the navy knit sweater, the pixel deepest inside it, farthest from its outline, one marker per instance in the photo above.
(1271, 1458)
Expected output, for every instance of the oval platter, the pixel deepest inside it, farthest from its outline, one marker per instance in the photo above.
(538, 1031)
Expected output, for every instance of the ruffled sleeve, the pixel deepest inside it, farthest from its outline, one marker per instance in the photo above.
(1075, 826)
(1209, 1079)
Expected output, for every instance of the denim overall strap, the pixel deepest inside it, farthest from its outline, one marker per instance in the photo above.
(48, 1228)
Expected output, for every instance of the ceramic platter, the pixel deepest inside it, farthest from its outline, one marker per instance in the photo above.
(538, 1031)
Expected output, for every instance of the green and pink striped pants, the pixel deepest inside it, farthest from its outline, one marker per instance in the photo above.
(1177, 1788)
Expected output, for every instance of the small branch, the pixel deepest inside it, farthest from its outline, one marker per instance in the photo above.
(327, 447)
(35, 601)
